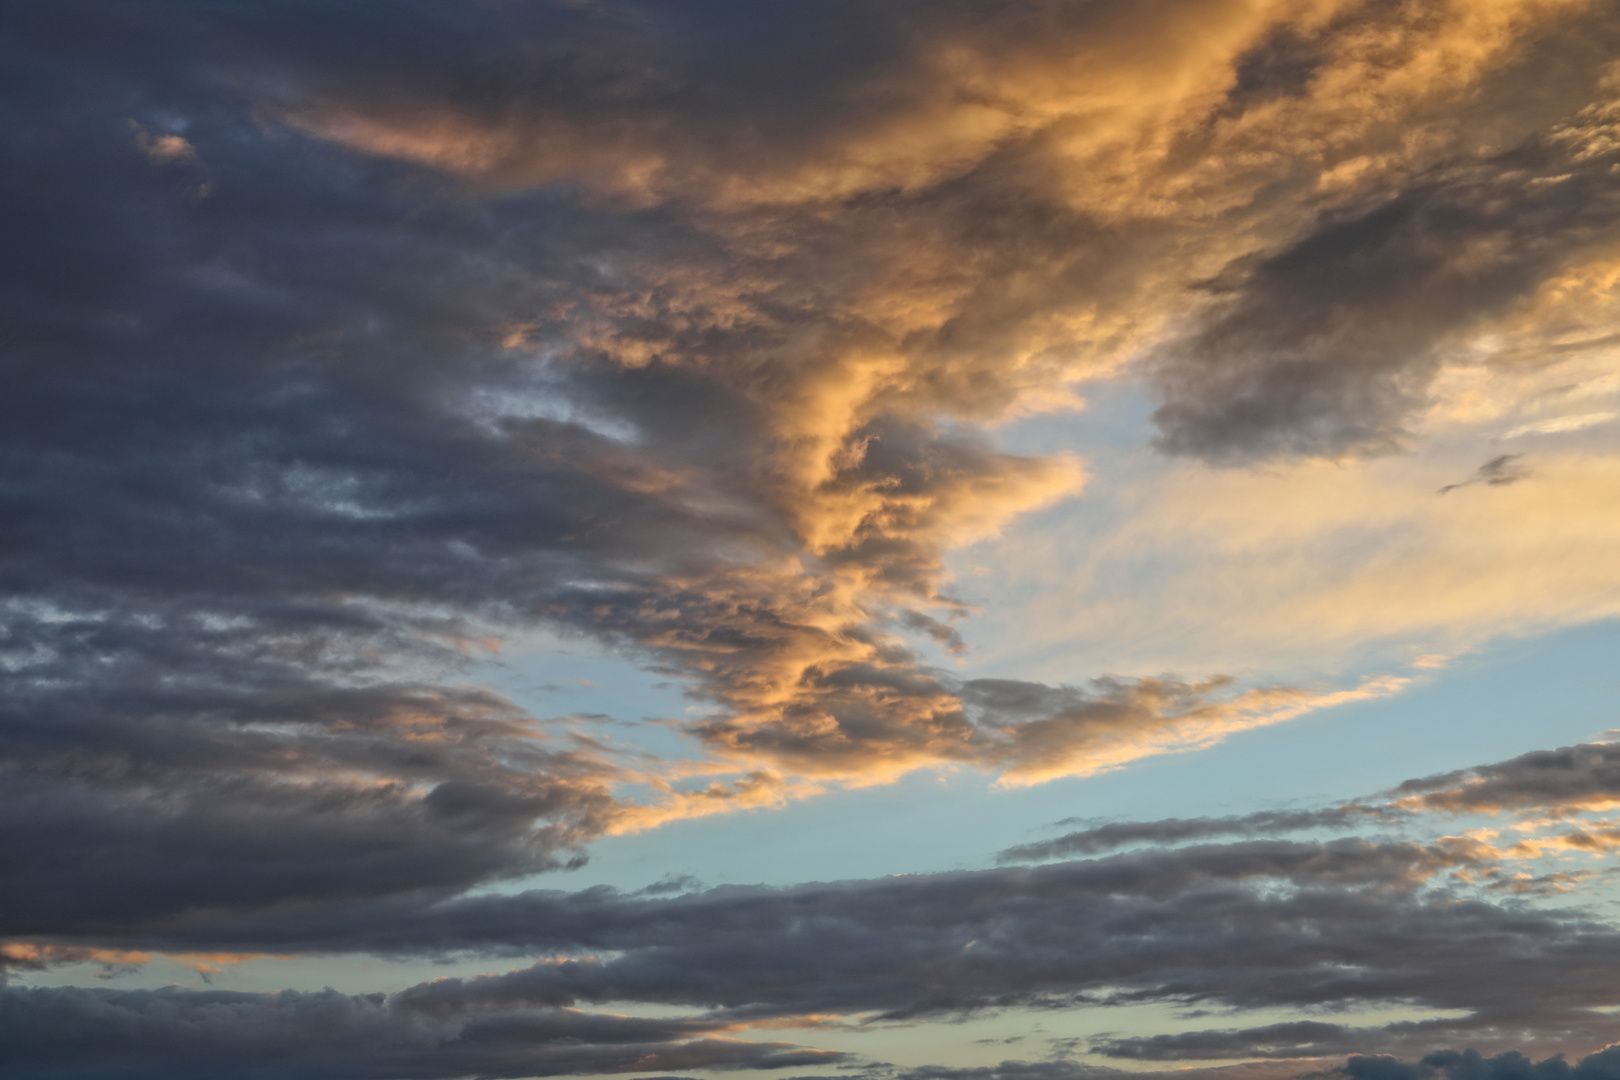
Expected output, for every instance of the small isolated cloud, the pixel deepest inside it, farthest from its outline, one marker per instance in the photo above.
(1500, 471)
(163, 149)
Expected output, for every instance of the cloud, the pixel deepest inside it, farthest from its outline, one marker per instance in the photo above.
(54, 1032)
(1075, 1070)
(1469, 1064)
(1201, 944)
(1322, 334)
(1328, 343)
(1293, 1039)
(1253, 924)
(627, 335)
(1193, 568)
(1550, 782)
(163, 149)
(181, 763)
(1501, 470)
(68, 1031)
(345, 343)
(1326, 347)
(1119, 834)
(1450, 1064)
(1560, 424)
(279, 456)
(1543, 788)
(369, 444)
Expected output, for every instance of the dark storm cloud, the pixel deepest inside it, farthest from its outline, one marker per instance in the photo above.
(129, 1034)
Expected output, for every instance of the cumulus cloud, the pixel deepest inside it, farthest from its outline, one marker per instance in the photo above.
(344, 343)
(627, 335)
(341, 415)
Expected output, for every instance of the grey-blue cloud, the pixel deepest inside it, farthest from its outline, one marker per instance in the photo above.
(293, 408)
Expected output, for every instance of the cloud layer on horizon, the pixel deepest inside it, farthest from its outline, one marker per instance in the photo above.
(1437, 925)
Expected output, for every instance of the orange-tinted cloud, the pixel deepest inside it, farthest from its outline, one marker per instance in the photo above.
(997, 207)
(597, 318)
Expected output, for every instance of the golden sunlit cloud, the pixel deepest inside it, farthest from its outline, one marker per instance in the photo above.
(451, 442)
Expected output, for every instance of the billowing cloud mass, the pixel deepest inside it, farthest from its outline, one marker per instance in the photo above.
(350, 345)
(1250, 924)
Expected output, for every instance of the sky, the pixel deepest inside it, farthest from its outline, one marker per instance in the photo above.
(814, 540)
